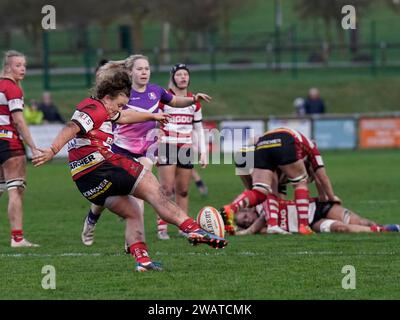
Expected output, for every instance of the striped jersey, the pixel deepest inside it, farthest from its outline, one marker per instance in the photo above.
(11, 100)
(179, 129)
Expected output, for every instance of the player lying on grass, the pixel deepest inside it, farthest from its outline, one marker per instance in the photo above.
(322, 217)
(108, 179)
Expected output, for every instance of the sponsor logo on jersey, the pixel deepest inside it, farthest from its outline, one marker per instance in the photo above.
(84, 119)
(85, 163)
(6, 134)
(284, 219)
(181, 119)
(100, 189)
(152, 96)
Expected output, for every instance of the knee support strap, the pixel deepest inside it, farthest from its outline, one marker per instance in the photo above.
(262, 187)
(16, 183)
(302, 178)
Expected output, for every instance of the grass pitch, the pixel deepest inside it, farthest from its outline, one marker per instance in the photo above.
(251, 267)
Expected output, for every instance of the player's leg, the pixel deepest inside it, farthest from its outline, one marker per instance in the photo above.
(128, 208)
(182, 182)
(297, 176)
(261, 187)
(15, 175)
(166, 176)
(201, 186)
(3, 186)
(149, 189)
(95, 211)
(89, 224)
(329, 225)
(337, 212)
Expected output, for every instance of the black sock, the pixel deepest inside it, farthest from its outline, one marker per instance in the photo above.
(200, 184)
(92, 218)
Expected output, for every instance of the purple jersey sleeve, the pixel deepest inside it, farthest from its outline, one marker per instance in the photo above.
(165, 96)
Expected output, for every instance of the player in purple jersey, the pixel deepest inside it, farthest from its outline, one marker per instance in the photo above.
(136, 140)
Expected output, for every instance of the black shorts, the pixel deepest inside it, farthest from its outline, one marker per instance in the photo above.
(6, 153)
(169, 154)
(322, 209)
(275, 149)
(105, 181)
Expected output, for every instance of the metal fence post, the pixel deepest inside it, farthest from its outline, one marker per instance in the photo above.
(46, 71)
(294, 52)
(86, 58)
(373, 48)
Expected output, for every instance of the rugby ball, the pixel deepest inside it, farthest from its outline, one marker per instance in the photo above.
(210, 220)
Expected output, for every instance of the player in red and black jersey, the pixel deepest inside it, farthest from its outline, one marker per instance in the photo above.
(12, 151)
(286, 150)
(108, 179)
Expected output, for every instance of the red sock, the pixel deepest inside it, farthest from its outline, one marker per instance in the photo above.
(139, 252)
(161, 225)
(302, 205)
(376, 228)
(189, 225)
(17, 235)
(248, 199)
(272, 210)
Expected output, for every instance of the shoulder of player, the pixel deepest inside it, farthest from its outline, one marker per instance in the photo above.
(93, 107)
(11, 89)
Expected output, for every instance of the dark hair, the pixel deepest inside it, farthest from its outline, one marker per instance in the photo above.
(113, 85)
(175, 68)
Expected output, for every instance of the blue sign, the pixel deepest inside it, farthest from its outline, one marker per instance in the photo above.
(335, 134)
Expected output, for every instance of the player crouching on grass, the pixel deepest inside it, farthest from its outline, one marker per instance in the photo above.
(108, 179)
(323, 217)
(281, 156)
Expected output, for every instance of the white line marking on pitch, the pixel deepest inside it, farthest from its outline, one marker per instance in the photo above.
(242, 253)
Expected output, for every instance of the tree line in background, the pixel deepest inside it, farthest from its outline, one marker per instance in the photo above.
(184, 18)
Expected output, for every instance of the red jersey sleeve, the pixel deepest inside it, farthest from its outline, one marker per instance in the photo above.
(15, 98)
(313, 154)
(89, 117)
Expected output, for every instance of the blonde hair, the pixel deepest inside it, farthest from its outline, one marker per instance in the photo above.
(6, 59)
(130, 61)
(111, 67)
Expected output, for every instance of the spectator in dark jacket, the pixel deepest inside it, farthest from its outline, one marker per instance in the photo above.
(49, 109)
(314, 104)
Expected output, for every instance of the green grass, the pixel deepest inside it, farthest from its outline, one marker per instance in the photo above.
(252, 267)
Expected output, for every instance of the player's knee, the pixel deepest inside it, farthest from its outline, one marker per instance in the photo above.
(340, 228)
(299, 180)
(262, 187)
(16, 184)
(183, 193)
